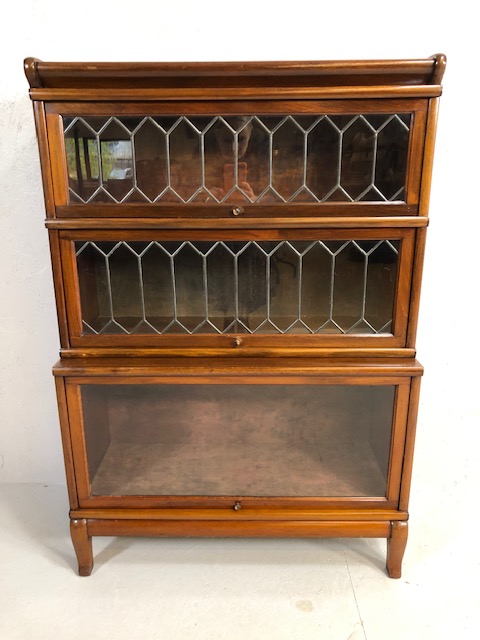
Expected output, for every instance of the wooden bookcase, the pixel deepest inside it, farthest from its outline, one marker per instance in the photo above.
(237, 257)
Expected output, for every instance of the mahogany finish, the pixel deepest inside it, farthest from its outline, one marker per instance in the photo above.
(309, 400)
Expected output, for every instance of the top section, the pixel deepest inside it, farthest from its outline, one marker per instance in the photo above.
(272, 143)
(83, 80)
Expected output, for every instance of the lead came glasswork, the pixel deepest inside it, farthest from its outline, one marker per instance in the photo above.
(237, 159)
(298, 287)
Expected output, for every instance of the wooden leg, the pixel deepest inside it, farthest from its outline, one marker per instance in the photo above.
(82, 543)
(396, 548)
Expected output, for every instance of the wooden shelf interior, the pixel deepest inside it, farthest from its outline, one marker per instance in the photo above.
(238, 440)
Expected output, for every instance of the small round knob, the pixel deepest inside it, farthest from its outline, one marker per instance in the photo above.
(237, 211)
(237, 342)
(237, 506)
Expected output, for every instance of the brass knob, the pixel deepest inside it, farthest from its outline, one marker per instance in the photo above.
(237, 342)
(237, 506)
(237, 211)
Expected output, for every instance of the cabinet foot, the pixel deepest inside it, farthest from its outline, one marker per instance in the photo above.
(82, 543)
(396, 548)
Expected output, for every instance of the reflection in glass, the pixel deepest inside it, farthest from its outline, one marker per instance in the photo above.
(276, 287)
(99, 160)
(83, 164)
(237, 159)
(238, 440)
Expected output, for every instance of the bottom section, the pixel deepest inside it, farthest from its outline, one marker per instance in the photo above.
(265, 447)
(394, 531)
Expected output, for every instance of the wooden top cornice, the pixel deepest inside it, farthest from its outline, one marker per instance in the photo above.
(234, 80)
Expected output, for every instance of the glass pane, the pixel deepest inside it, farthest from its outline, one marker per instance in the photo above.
(150, 142)
(238, 440)
(238, 159)
(343, 286)
(185, 161)
(158, 288)
(284, 290)
(252, 287)
(188, 273)
(83, 165)
(221, 287)
(317, 288)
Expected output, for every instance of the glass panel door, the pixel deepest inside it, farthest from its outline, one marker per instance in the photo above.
(272, 440)
(303, 287)
(264, 159)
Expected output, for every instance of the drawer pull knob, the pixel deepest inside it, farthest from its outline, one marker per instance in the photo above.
(237, 506)
(237, 211)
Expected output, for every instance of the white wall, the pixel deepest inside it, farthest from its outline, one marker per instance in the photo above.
(210, 30)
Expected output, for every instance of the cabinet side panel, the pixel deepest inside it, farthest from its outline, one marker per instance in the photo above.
(72, 289)
(59, 288)
(417, 273)
(66, 442)
(402, 301)
(58, 159)
(77, 435)
(413, 184)
(428, 156)
(409, 444)
(397, 446)
(44, 153)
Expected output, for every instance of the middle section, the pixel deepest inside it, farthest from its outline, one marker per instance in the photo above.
(168, 287)
(322, 286)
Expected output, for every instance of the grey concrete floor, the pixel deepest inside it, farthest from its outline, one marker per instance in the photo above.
(214, 589)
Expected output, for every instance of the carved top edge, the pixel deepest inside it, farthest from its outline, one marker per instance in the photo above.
(148, 75)
(440, 66)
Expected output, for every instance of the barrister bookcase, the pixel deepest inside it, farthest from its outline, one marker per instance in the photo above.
(237, 257)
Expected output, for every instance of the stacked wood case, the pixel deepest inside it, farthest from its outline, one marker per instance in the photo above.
(237, 256)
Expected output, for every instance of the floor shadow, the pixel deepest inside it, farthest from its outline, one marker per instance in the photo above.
(40, 512)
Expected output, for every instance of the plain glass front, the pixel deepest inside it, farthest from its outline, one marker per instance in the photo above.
(269, 440)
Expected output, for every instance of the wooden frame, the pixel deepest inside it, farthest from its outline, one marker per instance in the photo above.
(251, 343)
(64, 209)
(173, 362)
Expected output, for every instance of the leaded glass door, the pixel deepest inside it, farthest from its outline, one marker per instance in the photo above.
(300, 154)
(311, 287)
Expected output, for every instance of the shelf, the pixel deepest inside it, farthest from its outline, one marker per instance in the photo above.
(168, 367)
